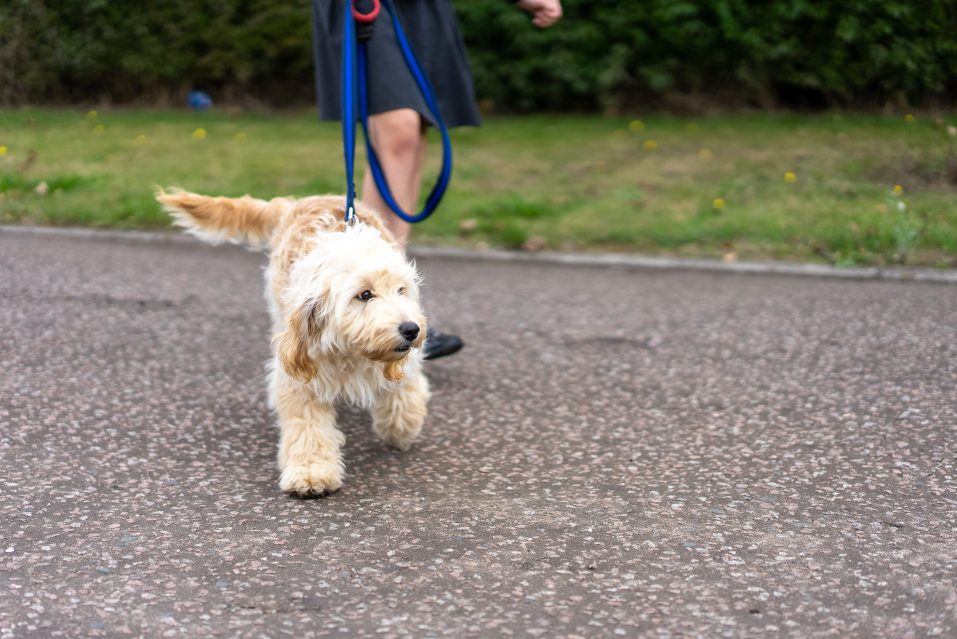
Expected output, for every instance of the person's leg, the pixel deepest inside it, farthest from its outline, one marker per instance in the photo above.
(399, 141)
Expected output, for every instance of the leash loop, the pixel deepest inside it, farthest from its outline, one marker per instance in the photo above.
(372, 14)
(355, 89)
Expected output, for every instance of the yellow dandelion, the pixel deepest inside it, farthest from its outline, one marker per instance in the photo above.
(99, 128)
(718, 203)
(636, 125)
(790, 177)
(3, 150)
(240, 137)
(898, 190)
(650, 145)
(141, 139)
(705, 154)
(909, 118)
(199, 134)
(91, 115)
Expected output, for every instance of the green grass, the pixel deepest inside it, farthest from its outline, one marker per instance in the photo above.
(569, 182)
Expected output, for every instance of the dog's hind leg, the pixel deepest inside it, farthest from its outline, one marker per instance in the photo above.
(398, 414)
(310, 456)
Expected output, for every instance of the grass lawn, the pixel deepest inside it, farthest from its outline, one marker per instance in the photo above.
(794, 187)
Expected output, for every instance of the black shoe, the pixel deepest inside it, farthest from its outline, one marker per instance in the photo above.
(439, 344)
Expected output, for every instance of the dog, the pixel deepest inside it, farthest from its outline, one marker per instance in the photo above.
(346, 321)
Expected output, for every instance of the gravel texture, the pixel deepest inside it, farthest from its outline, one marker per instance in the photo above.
(616, 452)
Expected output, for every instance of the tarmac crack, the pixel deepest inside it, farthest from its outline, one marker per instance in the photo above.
(273, 610)
(98, 300)
(614, 341)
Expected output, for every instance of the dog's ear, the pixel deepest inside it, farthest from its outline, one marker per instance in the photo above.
(292, 345)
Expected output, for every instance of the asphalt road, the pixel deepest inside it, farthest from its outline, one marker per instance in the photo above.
(617, 453)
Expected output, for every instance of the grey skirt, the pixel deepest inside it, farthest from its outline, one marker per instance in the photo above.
(432, 30)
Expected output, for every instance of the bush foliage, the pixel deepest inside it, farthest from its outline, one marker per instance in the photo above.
(605, 54)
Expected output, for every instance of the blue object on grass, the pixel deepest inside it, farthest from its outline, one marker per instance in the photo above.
(198, 100)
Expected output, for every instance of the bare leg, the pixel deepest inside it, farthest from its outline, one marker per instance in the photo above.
(310, 459)
(399, 141)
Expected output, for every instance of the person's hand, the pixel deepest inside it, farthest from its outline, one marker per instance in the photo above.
(545, 13)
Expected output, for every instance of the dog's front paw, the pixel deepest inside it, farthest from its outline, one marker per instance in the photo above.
(397, 418)
(311, 479)
(399, 437)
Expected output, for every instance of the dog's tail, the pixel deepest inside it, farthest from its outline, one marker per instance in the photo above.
(217, 219)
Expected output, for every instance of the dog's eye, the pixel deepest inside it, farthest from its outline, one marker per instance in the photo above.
(402, 291)
(365, 295)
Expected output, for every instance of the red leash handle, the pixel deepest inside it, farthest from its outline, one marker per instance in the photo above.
(366, 17)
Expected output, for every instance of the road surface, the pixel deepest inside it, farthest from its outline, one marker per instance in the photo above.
(616, 453)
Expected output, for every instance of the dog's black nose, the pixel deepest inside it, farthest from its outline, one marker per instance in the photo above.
(409, 330)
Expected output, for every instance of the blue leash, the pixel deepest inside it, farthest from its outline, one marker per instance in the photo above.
(354, 84)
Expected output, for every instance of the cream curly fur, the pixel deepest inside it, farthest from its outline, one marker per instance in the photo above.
(328, 344)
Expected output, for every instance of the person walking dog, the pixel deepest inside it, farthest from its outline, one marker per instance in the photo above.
(398, 112)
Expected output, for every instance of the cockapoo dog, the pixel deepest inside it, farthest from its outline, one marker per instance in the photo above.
(347, 324)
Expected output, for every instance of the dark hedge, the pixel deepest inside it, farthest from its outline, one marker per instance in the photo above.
(603, 55)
